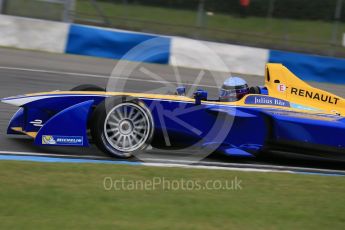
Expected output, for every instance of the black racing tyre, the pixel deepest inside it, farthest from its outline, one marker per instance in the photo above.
(88, 87)
(122, 126)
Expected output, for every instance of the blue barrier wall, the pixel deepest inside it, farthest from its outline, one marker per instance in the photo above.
(98, 42)
(139, 47)
(311, 67)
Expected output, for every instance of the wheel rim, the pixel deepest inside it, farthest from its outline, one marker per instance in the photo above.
(127, 127)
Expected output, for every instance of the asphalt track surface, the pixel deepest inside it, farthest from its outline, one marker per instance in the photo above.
(30, 71)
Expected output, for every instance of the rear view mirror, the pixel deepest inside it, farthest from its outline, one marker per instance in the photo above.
(200, 95)
(181, 91)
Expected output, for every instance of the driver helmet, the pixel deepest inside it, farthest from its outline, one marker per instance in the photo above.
(233, 89)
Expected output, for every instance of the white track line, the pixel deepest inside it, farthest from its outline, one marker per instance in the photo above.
(179, 165)
(275, 168)
(96, 76)
(53, 155)
(188, 164)
(214, 167)
(173, 165)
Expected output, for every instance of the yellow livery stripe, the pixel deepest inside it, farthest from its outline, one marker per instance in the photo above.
(20, 129)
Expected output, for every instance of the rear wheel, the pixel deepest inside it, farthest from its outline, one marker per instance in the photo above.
(122, 126)
(88, 87)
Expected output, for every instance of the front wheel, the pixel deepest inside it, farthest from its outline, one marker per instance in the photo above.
(121, 126)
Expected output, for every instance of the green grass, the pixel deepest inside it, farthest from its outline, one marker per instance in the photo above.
(71, 196)
(295, 34)
(37, 9)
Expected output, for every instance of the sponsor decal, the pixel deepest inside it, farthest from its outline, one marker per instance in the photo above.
(305, 115)
(303, 107)
(314, 96)
(282, 88)
(48, 140)
(62, 140)
(264, 100)
(37, 123)
(336, 112)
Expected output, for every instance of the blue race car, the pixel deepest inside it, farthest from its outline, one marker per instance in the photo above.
(285, 115)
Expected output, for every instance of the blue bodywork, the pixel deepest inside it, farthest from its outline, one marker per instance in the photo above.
(62, 119)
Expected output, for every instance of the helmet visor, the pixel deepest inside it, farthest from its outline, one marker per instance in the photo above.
(233, 93)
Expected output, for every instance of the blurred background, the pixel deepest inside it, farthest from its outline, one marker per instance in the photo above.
(309, 26)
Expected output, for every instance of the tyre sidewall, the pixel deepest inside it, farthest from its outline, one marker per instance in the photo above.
(97, 125)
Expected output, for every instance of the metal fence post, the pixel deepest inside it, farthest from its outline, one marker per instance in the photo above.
(68, 12)
(270, 9)
(269, 16)
(201, 13)
(100, 12)
(2, 3)
(337, 16)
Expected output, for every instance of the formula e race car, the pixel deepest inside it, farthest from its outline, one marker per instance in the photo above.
(285, 115)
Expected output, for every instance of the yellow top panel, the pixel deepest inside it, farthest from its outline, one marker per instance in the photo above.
(283, 84)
